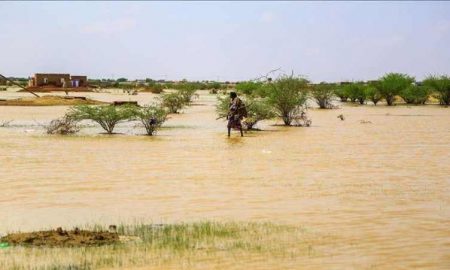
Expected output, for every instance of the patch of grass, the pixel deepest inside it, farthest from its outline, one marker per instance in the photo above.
(166, 244)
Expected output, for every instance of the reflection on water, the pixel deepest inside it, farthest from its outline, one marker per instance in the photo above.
(376, 194)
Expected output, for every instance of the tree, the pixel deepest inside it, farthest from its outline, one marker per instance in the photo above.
(415, 94)
(63, 126)
(340, 92)
(248, 88)
(122, 80)
(258, 109)
(373, 94)
(107, 116)
(323, 94)
(356, 92)
(187, 91)
(286, 95)
(151, 116)
(392, 84)
(173, 101)
(440, 84)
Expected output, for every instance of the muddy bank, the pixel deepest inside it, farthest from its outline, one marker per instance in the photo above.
(61, 238)
(56, 89)
(50, 101)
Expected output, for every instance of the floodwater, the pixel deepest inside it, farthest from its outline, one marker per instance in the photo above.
(376, 194)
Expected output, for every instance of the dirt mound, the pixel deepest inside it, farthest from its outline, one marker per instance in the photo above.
(60, 237)
(56, 89)
(50, 101)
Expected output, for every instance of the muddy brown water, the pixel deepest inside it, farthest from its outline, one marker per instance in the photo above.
(377, 194)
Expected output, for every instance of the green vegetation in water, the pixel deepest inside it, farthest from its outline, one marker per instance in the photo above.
(106, 116)
(144, 245)
(323, 94)
(258, 109)
(151, 117)
(288, 95)
(440, 84)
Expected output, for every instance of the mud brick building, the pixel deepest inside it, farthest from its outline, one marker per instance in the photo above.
(57, 80)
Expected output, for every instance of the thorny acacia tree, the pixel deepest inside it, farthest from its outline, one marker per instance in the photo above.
(440, 84)
(323, 94)
(286, 95)
(151, 116)
(107, 116)
(392, 84)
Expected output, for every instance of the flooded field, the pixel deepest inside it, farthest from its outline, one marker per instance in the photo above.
(371, 191)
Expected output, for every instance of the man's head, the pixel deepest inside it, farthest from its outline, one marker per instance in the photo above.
(233, 94)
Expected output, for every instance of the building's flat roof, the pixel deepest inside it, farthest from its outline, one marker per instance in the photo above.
(57, 74)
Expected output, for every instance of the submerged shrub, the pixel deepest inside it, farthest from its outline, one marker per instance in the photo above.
(258, 109)
(340, 92)
(356, 92)
(107, 116)
(173, 101)
(323, 94)
(151, 116)
(440, 84)
(286, 95)
(63, 126)
(392, 84)
(222, 106)
(415, 94)
(187, 95)
(373, 94)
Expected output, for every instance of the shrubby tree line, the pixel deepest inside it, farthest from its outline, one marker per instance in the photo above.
(388, 88)
(285, 98)
(150, 116)
(158, 86)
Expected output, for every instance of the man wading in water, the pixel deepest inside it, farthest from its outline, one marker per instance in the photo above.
(236, 112)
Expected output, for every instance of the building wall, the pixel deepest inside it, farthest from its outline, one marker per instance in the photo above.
(41, 79)
(82, 80)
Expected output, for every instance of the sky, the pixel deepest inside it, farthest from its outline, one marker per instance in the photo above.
(323, 41)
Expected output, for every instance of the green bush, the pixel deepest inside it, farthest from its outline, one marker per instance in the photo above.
(286, 95)
(415, 94)
(323, 94)
(248, 88)
(173, 101)
(154, 88)
(356, 92)
(373, 94)
(257, 109)
(440, 84)
(341, 93)
(214, 85)
(187, 95)
(392, 84)
(222, 106)
(151, 116)
(107, 116)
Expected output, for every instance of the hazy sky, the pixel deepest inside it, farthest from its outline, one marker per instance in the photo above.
(329, 41)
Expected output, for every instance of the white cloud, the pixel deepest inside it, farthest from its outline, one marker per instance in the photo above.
(110, 26)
